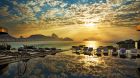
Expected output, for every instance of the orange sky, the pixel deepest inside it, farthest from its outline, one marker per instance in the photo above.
(79, 32)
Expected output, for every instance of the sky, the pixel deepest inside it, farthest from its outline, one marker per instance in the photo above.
(101, 20)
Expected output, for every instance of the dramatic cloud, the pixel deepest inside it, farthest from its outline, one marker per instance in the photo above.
(49, 15)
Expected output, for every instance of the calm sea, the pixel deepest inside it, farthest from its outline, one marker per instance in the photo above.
(60, 44)
(69, 65)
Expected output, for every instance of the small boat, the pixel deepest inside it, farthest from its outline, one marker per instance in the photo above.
(114, 52)
(78, 50)
(133, 53)
(122, 53)
(85, 50)
(105, 51)
(47, 49)
(81, 46)
(4, 47)
(138, 55)
(27, 48)
(99, 51)
(88, 51)
(73, 49)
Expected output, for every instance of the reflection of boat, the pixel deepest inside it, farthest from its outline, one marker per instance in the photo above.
(122, 53)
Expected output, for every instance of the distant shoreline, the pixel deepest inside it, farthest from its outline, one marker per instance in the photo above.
(37, 41)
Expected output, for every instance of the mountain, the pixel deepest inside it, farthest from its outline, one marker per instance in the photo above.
(67, 39)
(89, 39)
(53, 37)
(38, 37)
(6, 37)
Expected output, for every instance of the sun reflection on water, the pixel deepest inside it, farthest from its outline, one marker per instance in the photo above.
(91, 61)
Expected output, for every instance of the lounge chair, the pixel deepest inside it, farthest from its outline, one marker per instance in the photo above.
(122, 53)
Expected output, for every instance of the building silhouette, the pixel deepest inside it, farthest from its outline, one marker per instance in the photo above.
(128, 44)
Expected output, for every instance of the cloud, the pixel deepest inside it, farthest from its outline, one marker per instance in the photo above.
(60, 14)
(4, 11)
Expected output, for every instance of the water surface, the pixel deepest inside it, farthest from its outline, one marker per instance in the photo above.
(69, 65)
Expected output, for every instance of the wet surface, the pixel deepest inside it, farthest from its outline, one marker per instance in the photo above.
(68, 65)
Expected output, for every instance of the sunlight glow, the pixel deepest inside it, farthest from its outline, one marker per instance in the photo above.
(91, 44)
(90, 60)
(90, 24)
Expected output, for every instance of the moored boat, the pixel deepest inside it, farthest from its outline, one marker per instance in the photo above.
(105, 51)
(122, 53)
(114, 52)
(134, 53)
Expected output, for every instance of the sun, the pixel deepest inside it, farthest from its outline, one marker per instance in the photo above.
(90, 24)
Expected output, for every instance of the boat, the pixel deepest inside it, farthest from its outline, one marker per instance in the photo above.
(114, 52)
(105, 51)
(87, 50)
(134, 53)
(122, 53)
(99, 51)
(4, 47)
(73, 49)
(138, 55)
(27, 48)
(77, 49)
